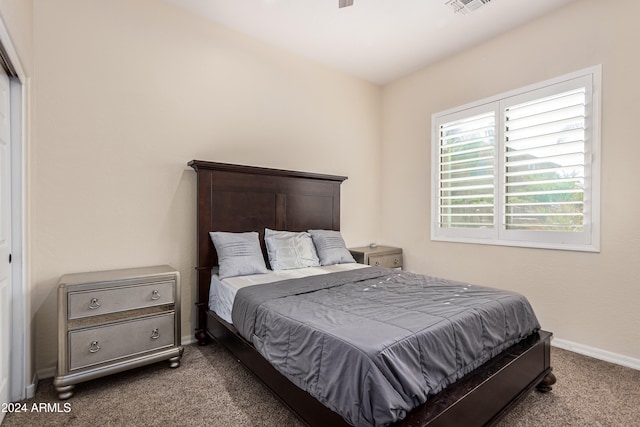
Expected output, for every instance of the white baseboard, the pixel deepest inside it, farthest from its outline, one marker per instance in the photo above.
(597, 353)
(30, 391)
(188, 339)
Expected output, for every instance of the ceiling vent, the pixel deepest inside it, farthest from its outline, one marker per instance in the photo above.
(466, 6)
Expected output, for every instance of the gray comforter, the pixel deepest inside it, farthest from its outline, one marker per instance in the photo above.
(371, 344)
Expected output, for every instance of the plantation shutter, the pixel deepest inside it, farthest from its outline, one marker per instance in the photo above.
(522, 168)
(467, 172)
(544, 163)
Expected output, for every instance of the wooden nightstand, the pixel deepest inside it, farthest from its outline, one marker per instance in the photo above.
(111, 321)
(380, 256)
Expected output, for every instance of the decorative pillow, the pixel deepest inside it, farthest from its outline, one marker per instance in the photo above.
(288, 249)
(239, 254)
(330, 247)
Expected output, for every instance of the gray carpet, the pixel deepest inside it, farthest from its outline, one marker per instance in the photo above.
(211, 389)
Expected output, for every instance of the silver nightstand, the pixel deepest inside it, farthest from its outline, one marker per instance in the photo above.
(111, 321)
(379, 256)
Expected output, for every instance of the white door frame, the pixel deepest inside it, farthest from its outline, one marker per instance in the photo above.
(5, 239)
(20, 385)
(20, 325)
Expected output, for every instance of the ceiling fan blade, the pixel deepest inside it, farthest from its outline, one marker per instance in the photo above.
(345, 3)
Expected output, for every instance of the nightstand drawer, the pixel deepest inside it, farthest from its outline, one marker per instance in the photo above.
(389, 261)
(378, 256)
(101, 344)
(112, 300)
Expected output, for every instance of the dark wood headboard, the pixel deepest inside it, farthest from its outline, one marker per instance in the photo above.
(247, 198)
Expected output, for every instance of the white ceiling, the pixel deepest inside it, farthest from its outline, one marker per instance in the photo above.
(377, 40)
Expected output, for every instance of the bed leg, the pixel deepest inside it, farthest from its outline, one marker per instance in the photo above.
(545, 385)
(201, 336)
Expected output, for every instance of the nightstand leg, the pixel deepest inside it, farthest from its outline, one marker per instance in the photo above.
(174, 362)
(65, 391)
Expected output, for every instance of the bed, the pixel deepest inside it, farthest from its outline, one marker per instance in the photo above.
(240, 199)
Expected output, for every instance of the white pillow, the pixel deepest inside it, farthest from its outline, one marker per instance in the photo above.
(288, 249)
(330, 247)
(239, 254)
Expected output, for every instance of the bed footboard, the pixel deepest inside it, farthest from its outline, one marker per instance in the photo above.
(485, 395)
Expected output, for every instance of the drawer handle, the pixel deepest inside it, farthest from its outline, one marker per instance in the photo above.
(155, 334)
(396, 261)
(94, 304)
(94, 347)
(377, 264)
(155, 295)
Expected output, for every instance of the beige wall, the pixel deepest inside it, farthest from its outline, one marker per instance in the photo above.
(18, 18)
(586, 298)
(127, 92)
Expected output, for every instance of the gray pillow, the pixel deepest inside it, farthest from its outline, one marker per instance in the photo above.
(330, 247)
(239, 254)
(288, 249)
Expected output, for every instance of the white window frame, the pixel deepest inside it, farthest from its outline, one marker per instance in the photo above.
(589, 238)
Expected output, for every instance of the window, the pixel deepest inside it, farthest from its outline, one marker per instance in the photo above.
(522, 168)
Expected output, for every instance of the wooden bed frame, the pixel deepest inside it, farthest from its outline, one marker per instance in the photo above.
(244, 198)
